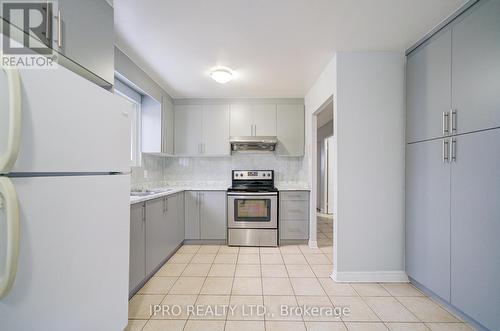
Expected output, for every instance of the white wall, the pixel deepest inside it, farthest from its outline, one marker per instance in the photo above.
(368, 94)
(317, 97)
(330, 155)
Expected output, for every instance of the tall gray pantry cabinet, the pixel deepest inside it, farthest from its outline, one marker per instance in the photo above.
(453, 164)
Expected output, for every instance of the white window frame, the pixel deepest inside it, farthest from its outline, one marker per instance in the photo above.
(135, 129)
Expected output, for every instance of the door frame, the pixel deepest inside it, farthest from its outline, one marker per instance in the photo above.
(313, 241)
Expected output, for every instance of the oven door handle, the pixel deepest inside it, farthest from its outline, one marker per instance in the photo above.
(247, 194)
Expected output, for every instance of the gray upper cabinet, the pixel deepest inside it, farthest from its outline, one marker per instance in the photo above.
(428, 87)
(253, 120)
(213, 215)
(290, 130)
(201, 130)
(241, 122)
(428, 216)
(188, 129)
(476, 68)
(215, 130)
(475, 226)
(137, 266)
(87, 35)
(264, 119)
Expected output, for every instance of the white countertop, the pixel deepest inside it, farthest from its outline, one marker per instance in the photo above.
(164, 192)
(167, 191)
(292, 186)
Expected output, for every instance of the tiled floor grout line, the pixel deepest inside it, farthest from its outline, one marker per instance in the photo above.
(187, 317)
(232, 285)
(262, 290)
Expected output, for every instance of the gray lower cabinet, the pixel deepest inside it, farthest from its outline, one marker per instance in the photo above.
(475, 227)
(294, 215)
(157, 233)
(205, 213)
(476, 69)
(192, 215)
(180, 228)
(213, 215)
(156, 230)
(453, 221)
(428, 216)
(137, 266)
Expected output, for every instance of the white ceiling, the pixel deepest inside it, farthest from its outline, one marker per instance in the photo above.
(277, 47)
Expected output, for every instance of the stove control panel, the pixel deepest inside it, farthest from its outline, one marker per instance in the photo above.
(253, 174)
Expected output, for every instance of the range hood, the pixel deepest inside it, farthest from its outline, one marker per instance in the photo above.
(253, 144)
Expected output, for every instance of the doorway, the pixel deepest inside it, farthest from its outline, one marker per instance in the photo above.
(324, 189)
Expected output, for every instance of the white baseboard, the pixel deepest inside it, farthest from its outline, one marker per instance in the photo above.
(313, 244)
(370, 277)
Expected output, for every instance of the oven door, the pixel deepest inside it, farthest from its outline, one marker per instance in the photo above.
(252, 210)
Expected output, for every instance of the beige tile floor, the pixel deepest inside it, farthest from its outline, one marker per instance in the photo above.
(215, 276)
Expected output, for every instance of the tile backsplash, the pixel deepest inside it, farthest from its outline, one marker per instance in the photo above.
(205, 171)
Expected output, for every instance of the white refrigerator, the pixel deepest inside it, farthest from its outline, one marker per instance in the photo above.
(64, 203)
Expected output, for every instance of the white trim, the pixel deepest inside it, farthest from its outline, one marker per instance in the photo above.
(204, 101)
(370, 277)
(313, 244)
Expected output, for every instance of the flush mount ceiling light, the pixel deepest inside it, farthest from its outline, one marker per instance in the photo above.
(222, 75)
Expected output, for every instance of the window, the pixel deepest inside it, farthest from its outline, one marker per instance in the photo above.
(135, 98)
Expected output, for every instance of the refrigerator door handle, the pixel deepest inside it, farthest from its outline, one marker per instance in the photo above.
(8, 160)
(9, 203)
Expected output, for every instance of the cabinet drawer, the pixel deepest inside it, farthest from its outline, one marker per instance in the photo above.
(294, 210)
(294, 195)
(294, 230)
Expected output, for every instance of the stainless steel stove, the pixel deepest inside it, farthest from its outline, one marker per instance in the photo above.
(252, 209)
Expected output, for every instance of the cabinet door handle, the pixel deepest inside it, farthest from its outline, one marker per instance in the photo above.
(446, 149)
(59, 28)
(454, 121)
(48, 23)
(446, 123)
(166, 205)
(454, 150)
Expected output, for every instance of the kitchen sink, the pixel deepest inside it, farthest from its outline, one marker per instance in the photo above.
(140, 193)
